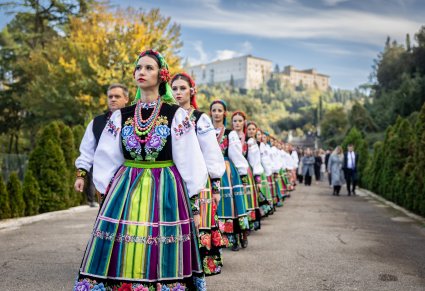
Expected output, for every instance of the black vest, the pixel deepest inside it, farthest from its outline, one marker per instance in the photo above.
(159, 147)
(99, 123)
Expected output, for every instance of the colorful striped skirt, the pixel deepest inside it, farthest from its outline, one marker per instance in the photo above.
(210, 238)
(231, 210)
(144, 235)
(251, 201)
(265, 199)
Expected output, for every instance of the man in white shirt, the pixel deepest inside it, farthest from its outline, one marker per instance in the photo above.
(350, 169)
(117, 99)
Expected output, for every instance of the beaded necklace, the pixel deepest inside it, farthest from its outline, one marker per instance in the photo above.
(144, 126)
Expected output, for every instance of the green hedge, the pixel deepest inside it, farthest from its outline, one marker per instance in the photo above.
(396, 171)
(49, 180)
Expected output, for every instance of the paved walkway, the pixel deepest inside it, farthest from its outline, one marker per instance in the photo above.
(315, 242)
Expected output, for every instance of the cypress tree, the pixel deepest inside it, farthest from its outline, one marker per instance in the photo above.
(31, 193)
(14, 188)
(47, 163)
(78, 132)
(68, 148)
(5, 211)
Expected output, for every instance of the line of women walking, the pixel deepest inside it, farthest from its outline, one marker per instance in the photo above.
(178, 186)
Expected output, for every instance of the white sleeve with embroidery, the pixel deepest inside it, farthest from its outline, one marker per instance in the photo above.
(235, 153)
(187, 153)
(275, 160)
(87, 149)
(294, 156)
(108, 156)
(254, 157)
(289, 162)
(265, 160)
(211, 151)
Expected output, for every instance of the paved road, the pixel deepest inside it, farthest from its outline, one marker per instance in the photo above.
(315, 242)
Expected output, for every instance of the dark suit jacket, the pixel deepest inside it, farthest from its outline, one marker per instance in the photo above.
(344, 165)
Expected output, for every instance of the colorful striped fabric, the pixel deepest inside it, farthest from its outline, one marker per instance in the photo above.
(144, 231)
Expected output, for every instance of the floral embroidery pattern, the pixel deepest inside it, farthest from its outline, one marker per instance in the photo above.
(90, 285)
(212, 265)
(149, 240)
(223, 142)
(185, 126)
(216, 186)
(111, 128)
(158, 138)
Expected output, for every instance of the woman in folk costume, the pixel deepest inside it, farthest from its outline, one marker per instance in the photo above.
(283, 169)
(239, 126)
(266, 206)
(145, 236)
(267, 163)
(210, 238)
(288, 166)
(276, 166)
(231, 210)
(256, 169)
(275, 177)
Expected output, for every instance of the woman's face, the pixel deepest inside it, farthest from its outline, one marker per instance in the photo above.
(251, 130)
(146, 73)
(259, 135)
(238, 122)
(181, 91)
(264, 138)
(217, 113)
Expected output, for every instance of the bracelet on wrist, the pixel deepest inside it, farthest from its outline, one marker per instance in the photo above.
(81, 173)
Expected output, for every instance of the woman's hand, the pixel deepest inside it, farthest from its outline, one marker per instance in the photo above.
(79, 185)
(216, 198)
(197, 221)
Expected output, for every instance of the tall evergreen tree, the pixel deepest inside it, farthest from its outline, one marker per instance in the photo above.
(16, 199)
(31, 194)
(5, 211)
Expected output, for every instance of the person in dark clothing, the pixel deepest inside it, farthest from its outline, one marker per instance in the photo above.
(317, 165)
(327, 156)
(308, 166)
(117, 99)
(350, 167)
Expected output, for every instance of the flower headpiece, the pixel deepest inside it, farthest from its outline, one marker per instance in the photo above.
(164, 74)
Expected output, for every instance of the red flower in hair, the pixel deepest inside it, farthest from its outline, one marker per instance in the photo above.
(164, 75)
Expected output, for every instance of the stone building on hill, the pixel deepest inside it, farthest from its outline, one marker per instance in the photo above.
(305, 78)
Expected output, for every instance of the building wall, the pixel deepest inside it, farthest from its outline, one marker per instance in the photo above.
(309, 78)
(248, 72)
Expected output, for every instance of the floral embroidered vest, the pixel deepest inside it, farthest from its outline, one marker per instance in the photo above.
(223, 142)
(158, 148)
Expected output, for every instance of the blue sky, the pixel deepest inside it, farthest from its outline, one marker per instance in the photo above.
(339, 38)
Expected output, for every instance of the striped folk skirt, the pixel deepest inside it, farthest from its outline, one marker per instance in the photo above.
(210, 238)
(267, 208)
(144, 235)
(231, 210)
(251, 201)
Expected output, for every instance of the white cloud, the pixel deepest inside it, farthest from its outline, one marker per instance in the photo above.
(226, 54)
(333, 2)
(198, 46)
(295, 21)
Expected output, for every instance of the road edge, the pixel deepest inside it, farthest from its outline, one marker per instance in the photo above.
(395, 206)
(14, 223)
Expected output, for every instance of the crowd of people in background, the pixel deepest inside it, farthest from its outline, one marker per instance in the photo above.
(337, 167)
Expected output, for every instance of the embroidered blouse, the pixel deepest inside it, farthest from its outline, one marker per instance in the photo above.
(235, 153)
(254, 157)
(266, 161)
(208, 142)
(173, 138)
